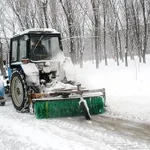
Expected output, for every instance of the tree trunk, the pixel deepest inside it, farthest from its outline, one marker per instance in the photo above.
(145, 31)
(120, 47)
(68, 10)
(95, 7)
(104, 30)
(126, 36)
(1, 61)
(116, 43)
(45, 13)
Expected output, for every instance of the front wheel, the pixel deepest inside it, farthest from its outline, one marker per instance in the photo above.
(19, 92)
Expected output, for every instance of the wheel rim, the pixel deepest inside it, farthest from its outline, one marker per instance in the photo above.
(17, 91)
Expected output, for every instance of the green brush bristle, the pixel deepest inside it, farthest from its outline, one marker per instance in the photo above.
(67, 107)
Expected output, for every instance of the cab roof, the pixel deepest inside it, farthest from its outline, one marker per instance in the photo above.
(37, 31)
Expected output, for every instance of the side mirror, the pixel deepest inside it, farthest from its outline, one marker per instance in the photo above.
(26, 37)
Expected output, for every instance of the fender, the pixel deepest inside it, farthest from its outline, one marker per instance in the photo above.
(32, 74)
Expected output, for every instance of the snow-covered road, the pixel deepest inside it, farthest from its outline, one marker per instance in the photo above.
(124, 126)
(25, 132)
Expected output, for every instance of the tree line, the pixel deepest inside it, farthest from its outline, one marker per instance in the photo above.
(91, 29)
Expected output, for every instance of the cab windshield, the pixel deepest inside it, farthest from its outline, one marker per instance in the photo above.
(44, 47)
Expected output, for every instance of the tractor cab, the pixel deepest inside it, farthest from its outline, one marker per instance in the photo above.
(35, 45)
(36, 63)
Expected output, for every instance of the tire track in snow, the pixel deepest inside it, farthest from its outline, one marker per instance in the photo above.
(24, 136)
(137, 133)
(12, 141)
(23, 131)
(113, 113)
(103, 130)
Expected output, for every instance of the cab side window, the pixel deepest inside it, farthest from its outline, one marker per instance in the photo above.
(14, 50)
(22, 49)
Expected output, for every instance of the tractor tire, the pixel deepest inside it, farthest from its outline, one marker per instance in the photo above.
(18, 91)
(2, 103)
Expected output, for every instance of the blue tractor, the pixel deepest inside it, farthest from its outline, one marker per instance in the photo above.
(42, 79)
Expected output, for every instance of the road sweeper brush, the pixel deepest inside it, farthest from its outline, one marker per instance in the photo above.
(42, 79)
(77, 103)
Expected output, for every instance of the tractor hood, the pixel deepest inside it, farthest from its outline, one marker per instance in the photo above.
(64, 69)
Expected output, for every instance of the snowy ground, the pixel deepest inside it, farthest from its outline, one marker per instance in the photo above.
(125, 125)
(127, 88)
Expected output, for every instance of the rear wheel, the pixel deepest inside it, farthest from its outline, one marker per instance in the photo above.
(19, 92)
(2, 103)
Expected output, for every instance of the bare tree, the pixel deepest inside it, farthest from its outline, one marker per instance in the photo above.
(126, 33)
(84, 23)
(44, 8)
(105, 3)
(54, 15)
(136, 31)
(96, 14)
(67, 6)
(145, 26)
(115, 29)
